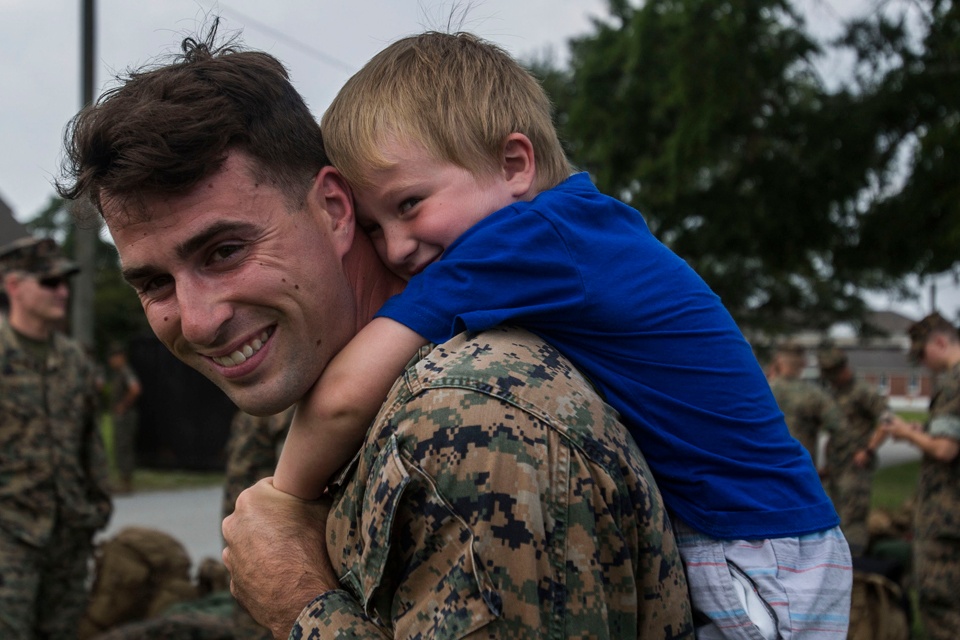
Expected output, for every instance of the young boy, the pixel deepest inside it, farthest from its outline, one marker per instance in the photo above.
(462, 184)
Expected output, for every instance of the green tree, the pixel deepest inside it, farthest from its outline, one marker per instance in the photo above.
(908, 75)
(711, 118)
(117, 311)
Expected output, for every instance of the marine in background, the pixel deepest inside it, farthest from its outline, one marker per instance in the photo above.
(53, 468)
(851, 449)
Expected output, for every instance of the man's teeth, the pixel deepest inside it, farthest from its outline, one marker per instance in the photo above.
(240, 355)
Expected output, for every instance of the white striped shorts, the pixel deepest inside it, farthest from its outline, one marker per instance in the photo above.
(780, 588)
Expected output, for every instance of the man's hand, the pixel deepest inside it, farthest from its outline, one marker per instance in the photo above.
(277, 555)
(900, 429)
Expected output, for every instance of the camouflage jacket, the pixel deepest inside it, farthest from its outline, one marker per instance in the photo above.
(807, 409)
(53, 469)
(496, 496)
(861, 407)
(938, 497)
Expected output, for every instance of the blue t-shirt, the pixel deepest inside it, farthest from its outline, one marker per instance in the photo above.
(583, 271)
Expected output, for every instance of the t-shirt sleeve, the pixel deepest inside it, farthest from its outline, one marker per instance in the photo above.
(516, 269)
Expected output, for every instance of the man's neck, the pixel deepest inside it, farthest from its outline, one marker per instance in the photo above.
(30, 326)
(953, 356)
(372, 282)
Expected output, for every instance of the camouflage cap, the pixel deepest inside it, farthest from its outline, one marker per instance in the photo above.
(40, 257)
(920, 332)
(831, 360)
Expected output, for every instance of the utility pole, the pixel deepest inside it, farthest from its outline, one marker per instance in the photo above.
(87, 223)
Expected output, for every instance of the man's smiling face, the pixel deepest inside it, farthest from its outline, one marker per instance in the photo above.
(239, 286)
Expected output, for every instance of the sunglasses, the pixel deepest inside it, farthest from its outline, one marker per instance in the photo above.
(52, 282)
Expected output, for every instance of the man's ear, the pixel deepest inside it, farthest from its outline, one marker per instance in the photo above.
(518, 164)
(331, 200)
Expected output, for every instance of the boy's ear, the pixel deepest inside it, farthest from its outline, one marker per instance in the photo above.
(518, 164)
(331, 201)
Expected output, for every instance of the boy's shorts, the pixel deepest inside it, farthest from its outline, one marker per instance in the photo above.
(764, 589)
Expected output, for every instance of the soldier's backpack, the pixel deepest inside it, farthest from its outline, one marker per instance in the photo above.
(140, 572)
(876, 609)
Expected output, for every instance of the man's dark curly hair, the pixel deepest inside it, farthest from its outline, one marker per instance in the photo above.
(166, 127)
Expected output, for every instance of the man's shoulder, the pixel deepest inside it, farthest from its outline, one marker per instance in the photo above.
(516, 367)
(504, 361)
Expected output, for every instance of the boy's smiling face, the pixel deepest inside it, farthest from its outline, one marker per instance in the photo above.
(418, 205)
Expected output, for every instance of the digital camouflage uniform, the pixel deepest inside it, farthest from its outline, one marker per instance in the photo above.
(808, 411)
(937, 526)
(53, 486)
(124, 426)
(252, 453)
(848, 485)
(496, 496)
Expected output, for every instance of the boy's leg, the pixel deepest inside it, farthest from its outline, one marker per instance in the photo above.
(767, 589)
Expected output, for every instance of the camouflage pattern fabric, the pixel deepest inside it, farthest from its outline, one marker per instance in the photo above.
(252, 453)
(937, 526)
(808, 411)
(497, 496)
(848, 485)
(53, 477)
(124, 426)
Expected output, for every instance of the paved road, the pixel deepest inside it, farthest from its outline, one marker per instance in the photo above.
(191, 516)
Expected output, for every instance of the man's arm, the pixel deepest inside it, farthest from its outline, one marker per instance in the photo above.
(942, 448)
(133, 392)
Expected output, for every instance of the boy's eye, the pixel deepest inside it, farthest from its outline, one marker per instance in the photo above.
(408, 204)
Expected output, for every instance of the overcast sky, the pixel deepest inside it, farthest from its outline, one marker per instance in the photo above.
(322, 42)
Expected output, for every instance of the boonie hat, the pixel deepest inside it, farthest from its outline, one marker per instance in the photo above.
(40, 257)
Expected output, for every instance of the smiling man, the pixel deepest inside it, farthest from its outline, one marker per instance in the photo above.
(495, 494)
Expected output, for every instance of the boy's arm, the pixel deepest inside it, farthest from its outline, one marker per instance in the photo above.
(331, 420)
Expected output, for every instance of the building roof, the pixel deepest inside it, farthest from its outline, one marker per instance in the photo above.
(890, 322)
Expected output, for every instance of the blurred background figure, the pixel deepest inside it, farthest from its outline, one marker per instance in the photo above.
(125, 388)
(851, 449)
(935, 344)
(252, 453)
(809, 410)
(53, 494)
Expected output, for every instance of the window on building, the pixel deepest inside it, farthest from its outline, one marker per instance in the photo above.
(913, 388)
(883, 385)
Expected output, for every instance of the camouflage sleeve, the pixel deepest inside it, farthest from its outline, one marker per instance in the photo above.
(498, 497)
(945, 407)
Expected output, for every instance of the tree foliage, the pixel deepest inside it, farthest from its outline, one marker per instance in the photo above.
(712, 118)
(909, 77)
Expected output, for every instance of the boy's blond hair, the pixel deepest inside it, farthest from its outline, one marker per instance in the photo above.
(455, 94)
